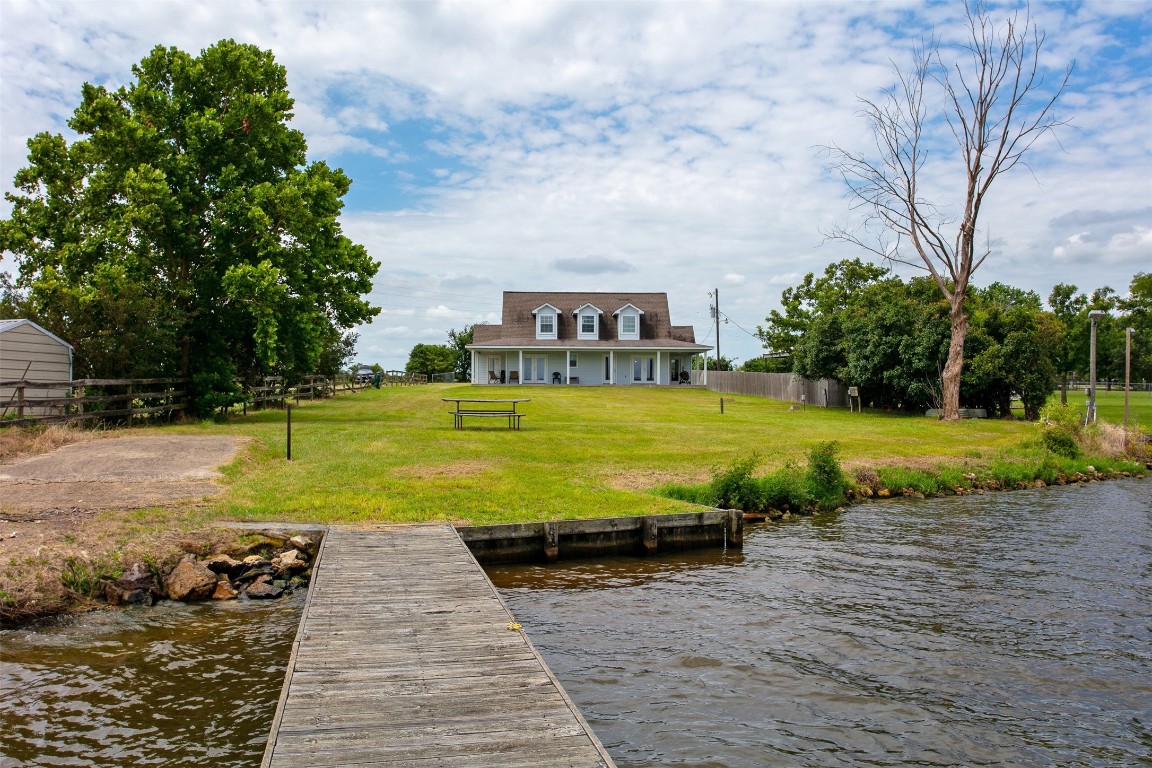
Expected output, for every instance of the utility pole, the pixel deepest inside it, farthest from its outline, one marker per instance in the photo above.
(1090, 418)
(716, 310)
(1127, 370)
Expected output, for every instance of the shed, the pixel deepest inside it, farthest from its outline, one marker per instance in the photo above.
(31, 353)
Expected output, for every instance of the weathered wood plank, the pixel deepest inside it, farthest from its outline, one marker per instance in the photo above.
(404, 657)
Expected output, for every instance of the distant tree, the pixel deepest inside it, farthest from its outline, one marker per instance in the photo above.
(815, 296)
(458, 342)
(1137, 315)
(1068, 307)
(430, 358)
(996, 106)
(183, 233)
(775, 364)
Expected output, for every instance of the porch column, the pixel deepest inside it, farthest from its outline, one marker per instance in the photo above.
(567, 366)
(611, 366)
(520, 367)
(657, 367)
(475, 372)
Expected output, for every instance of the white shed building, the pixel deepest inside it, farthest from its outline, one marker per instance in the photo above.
(30, 353)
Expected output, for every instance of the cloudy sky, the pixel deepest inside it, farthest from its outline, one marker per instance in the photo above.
(671, 146)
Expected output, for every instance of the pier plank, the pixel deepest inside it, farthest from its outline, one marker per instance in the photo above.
(404, 657)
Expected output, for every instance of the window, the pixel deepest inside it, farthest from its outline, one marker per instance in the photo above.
(571, 359)
(546, 321)
(547, 325)
(588, 324)
(628, 325)
(607, 368)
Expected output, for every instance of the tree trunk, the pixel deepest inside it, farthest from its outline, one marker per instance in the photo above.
(955, 364)
(1063, 389)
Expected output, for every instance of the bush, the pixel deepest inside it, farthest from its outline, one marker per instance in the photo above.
(736, 488)
(1063, 429)
(824, 479)
(1060, 443)
(785, 489)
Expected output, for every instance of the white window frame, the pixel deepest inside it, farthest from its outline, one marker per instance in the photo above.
(584, 318)
(622, 315)
(582, 313)
(573, 361)
(552, 314)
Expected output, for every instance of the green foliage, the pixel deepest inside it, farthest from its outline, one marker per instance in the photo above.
(824, 479)
(430, 359)
(183, 232)
(86, 577)
(736, 488)
(1063, 427)
(458, 342)
(919, 480)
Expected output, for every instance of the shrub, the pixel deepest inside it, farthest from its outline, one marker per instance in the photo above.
(86, 578)
(736, 488)
(785, 489)
(824, 479)
(919, 480)
(1060, 442)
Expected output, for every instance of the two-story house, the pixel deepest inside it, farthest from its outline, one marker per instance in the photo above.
(583, 338)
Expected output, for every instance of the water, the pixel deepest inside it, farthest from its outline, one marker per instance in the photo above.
(1008, 629)
(172, 685)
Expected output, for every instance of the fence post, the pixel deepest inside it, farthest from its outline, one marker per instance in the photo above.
(288, 408)
(19, 402)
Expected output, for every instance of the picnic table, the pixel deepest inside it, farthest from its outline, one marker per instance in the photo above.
(486, 408)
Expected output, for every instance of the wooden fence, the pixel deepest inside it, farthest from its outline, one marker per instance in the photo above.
(827, 393)
(31, 402)
(81, 399)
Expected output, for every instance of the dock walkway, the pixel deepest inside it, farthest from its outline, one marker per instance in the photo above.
(404, 656)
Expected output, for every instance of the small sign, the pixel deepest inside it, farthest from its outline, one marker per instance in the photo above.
(853, 392)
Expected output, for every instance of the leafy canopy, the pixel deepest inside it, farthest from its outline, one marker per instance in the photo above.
(183, 233)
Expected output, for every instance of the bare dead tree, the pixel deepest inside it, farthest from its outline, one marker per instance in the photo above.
(996, 104)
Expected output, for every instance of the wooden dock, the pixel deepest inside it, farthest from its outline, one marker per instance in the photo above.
(404, 656)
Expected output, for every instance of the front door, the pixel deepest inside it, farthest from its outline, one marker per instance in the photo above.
(494, 369)
(643, 369)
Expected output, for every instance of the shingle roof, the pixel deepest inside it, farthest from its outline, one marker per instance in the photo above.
(518, 324)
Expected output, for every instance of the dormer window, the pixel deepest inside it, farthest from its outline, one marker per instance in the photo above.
(628, 322)
(587, 322)
(546, 316)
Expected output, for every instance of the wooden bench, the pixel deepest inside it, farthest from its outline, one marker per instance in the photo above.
(485, 408)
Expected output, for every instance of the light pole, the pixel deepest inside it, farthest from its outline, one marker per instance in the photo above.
(1094, 315)
(1127, 371)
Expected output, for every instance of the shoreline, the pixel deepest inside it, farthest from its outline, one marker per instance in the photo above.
(105, 578)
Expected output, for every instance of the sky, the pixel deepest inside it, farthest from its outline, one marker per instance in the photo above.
(625, 146)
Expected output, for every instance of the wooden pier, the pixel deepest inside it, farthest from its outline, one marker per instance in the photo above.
(405, 656)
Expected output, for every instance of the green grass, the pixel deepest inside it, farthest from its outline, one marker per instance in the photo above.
(392, 454)
(1110, 406)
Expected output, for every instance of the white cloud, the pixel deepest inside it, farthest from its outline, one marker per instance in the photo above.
(639, 146)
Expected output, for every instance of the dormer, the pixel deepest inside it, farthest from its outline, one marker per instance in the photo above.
(587, 322)
(628, 322)
(547, 321)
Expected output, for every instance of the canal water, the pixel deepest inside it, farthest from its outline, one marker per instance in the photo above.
(1010, 629)
(1005, 629)
(172, 685)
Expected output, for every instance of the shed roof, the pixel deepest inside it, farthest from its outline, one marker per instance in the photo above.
(11, 325)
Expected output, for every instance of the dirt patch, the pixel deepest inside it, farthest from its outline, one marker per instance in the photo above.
(120, 473)
(647, 479)
(79, 502)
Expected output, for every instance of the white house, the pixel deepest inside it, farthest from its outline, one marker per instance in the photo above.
(583, 338)
(30, 353)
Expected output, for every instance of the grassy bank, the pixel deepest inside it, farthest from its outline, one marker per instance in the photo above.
(392, 454)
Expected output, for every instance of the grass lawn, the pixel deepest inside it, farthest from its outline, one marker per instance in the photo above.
(392, 454)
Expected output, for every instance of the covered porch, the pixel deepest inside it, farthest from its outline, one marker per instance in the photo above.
(581, 366)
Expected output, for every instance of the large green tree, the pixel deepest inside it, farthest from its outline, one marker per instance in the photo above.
(183, 232)
(458, 342)
(431, 358)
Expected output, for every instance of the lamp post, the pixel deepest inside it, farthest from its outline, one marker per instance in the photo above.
(1094, 315)
(1127, 371)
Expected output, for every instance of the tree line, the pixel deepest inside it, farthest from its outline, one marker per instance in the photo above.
(861, 324)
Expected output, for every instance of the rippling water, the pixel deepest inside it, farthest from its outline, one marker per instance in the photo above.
(1010, 629)
(172, 685)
